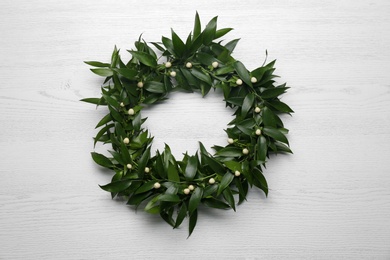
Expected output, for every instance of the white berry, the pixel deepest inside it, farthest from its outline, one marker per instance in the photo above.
(129, 166)
(258, 132)
(230, 140)
(189, 65)
(173, 74)
(237, 173)
(121, 104)
(131, 111)
(186, 191)
(191, 187)
(211, 180)
(245, 151)
(126, 140)
(147, 169)
(215, 64)
(253, 80)
(239, 82)
(168, 64)
(257, 109)
(140, 84)
(157, 185)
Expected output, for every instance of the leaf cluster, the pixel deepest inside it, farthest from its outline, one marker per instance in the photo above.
(164, 185)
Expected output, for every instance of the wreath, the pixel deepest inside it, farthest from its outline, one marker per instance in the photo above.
(173, 188)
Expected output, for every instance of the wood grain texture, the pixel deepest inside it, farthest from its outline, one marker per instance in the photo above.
(330, 200)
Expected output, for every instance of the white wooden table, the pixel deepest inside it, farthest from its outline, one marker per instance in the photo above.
(330, 200)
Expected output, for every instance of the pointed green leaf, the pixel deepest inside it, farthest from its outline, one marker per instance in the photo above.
(97, 64)
(226, 180)
(209, 31)
(178, 44)
(221, 32)
(191, 168)
(260, 181)
(145, 58)
(154, 87)
(101, 160)
(242, 72)
(192, 222)
(228, 196)
(201, 75)
(181, 215)
(229, 152)
(103, 72)
(95, 101)
(173, 174)
(268, 117)
(169, 198)
(117, 186)
(233, 165)
(143, 161)
(195, 199)
(262, 148)
(197, 26)
(282, 107)
(273, 92)
(247, 104)
(145, 187)
(128, 73)
(276, 134)
(215, 203)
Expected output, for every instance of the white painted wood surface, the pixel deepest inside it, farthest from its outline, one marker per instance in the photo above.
(330, 200)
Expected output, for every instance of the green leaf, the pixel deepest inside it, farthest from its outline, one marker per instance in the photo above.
(230, 152)
(209, 31)
(101, 160)
(143, 162)
(145, 187)
(173, 174)
(260, 181)
(226, 180)
(137, 199)
(231, 45)
(128, 73)
(283, 148)
(206, 59)
(103, 72)
(154, 87)
(262, 148)
(191, 168)
(275, 133)
(247, 104)
(273, 92)
(215, 203)
(169, 45)
(101, 132)
(97, 64)
(228, 196)
(181, 215)
(169, 198)
(107, 118)
(233, 165)
(282, 107)
(224, 70)
(246, 126)
(111, 101)
(178, 44)
(95, 101)
(192, 222)
(200, 75)
(268, 117)
(195, 199)
(221, 32)
(145, 58)
(117, 186)
(214, 164)
(242, 72)
(197, 27)
(209, 190)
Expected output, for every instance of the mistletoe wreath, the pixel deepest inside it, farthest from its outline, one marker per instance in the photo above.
(169, 187)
